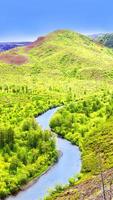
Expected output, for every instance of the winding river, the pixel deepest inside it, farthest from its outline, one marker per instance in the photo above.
(68, 165)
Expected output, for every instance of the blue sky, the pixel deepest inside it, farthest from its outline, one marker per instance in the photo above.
(27, 19)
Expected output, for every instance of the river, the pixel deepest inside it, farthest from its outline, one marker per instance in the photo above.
(68, 165)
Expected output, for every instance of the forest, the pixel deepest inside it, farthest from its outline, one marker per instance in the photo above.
(88, 124)
(24, 147)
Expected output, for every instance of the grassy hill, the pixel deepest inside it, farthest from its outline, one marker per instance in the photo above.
(63, 53)
(60, 68)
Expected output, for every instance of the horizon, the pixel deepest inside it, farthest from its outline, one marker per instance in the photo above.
(43, 34)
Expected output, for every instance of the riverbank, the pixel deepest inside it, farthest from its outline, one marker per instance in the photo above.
(58, 172)
(89, 189)
(35, 179)
(93, 120)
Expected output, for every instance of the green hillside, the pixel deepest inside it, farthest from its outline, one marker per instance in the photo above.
(64, 54)
(63, 67)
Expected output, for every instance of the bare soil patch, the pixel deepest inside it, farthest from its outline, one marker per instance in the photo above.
(13, 59)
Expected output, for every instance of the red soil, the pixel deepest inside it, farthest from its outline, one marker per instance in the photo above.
(13, 59)
(38, 42)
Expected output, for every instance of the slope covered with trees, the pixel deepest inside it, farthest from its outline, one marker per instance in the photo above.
(88, 124)
(24, 147)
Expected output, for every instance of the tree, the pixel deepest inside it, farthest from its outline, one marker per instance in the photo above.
(13, 165)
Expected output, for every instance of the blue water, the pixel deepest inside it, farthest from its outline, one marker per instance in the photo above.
(68, 166)
(4, 46)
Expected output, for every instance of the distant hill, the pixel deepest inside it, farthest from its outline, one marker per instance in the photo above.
(95, 36)
(10, 45)
(105, 39)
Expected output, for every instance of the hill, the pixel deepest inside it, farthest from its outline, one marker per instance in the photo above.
(66, 68)
(105, 39)
(69, 54)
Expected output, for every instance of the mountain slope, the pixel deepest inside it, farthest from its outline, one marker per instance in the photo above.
(74, 55)
(66, 53)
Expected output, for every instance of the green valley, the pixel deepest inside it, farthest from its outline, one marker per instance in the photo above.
(63, 68)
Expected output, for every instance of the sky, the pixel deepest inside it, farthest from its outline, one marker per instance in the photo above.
(25, 20)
